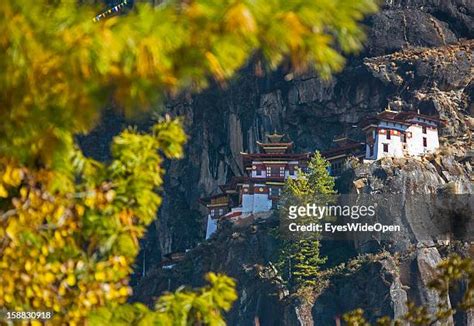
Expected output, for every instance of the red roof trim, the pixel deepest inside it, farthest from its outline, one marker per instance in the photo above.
(230, 215)
(399, 117)
(275, 154)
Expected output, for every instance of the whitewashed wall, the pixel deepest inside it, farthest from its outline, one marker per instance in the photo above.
(211, 226)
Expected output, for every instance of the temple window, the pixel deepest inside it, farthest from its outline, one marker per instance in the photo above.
(385, 148)
(275, 191)
(336, 168)
(275, 171)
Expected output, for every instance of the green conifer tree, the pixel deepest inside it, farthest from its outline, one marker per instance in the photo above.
(301, 258)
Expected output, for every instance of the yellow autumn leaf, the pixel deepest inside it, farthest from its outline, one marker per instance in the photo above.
(92, 298)
(29, 293)
(62, 290)
(215, 66)
(13, 228)
(296, 29)
(124, 291)
(44, 250)
(80, 210)
(12, 176)
(59, 212)
(49, 277)
(239, 18)
(56, 307)
(71, 280)
(3, 192)
(8, 298)
(36, 303)
(23, 192)
(100, 276)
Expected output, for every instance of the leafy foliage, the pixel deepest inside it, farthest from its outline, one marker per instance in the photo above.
(72, 251)
(59, 68)
(302, 257)
(305, 257)
(316, 181)
(202, 306)
(450, 272)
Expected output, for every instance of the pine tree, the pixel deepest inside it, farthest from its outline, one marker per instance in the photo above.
(302, 257)
(316, 179)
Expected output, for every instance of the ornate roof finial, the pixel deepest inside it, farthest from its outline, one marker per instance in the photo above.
(275, 138)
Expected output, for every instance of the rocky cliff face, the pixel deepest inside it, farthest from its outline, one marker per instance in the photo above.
(418, 56)
(435, 173)
(380, 286)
